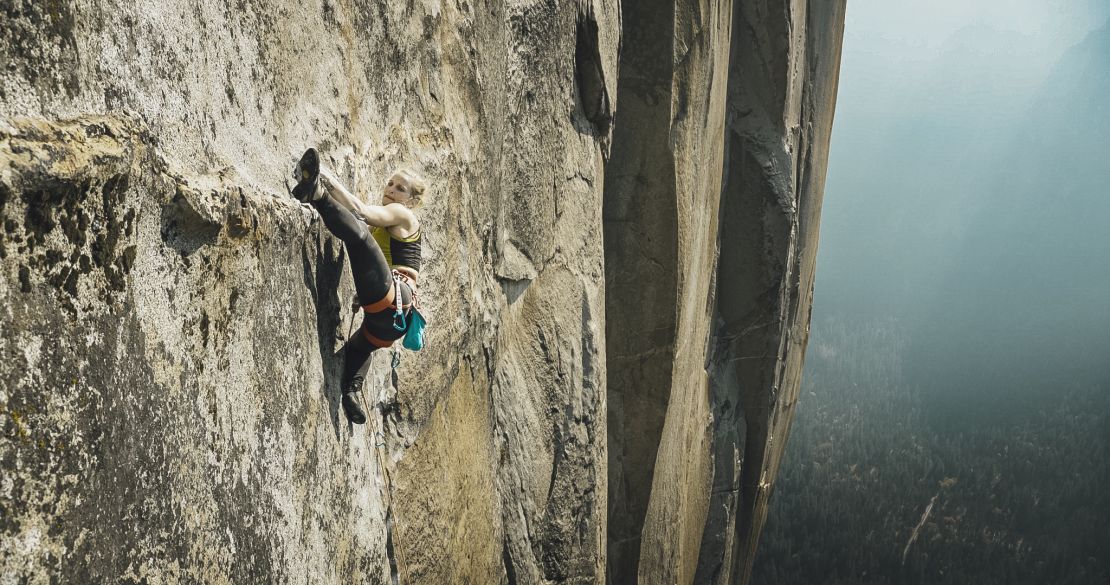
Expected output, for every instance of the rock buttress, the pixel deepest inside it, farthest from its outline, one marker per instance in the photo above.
(662, 193)
(711, 210)
(783, 76)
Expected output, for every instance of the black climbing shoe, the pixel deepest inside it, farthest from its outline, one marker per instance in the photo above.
(351, 408)
(307, 174)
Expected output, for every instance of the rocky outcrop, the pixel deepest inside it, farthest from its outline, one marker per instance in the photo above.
(703, 371)
(777, 152)
(172, 319)
(662, 192)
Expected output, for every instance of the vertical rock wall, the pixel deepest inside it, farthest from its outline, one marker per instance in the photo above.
(782, 94)
(171, 319)
(641, 280)
(618, 306)
(704, 366)
(661, 197)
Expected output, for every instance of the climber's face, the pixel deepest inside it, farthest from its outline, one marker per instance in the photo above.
(397, 190)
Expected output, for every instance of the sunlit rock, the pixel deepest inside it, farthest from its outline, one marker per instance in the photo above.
(172, 318)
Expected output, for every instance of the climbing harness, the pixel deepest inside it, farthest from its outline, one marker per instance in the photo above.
(398, 313)
(392, 299)
(414, 334)
(413, 326)
(383, 304)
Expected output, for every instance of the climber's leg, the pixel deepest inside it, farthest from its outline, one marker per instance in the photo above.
(377, 331)
(356, 362)
(371, 272)
(372, 276)
(307, 174)
(373, 280)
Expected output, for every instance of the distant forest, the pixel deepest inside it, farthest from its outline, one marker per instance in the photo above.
(885, 483)
(967, 440)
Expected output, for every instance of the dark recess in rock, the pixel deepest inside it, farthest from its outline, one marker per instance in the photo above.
(641, 228)
(48, 198)
(184, 229)
(507, 560)
(593, 95)
(24, 278)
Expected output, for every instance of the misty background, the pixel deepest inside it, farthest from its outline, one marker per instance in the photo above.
(960, 346)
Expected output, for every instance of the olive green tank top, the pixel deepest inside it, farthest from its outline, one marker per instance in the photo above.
(399, 252)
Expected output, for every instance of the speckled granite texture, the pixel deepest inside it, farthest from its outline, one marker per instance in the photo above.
(171, 319)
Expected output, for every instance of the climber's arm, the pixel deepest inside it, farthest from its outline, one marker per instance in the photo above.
(390, 215)
(386, 216)
(338, 192)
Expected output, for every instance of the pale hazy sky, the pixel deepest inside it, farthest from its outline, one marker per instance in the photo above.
(929, 24)
(966, 172)
(986, 49)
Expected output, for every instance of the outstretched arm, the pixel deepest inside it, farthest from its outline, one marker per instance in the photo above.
(338, 192)
(390, 215)
(386, 216)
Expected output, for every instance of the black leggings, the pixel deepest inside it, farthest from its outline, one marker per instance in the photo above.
(372, 278)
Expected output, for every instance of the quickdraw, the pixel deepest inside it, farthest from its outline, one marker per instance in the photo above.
(399, 323)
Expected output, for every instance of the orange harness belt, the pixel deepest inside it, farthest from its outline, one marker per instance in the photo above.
(386, 302)
(376, 341)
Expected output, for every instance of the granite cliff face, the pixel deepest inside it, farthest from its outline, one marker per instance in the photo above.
(713, 197)
(623, 210)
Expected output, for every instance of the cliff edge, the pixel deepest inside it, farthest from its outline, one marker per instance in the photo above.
(622, 207)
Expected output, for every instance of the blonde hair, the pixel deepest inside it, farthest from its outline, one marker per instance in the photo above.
(417, 185)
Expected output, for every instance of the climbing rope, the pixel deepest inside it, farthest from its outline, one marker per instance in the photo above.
(377, 417)
(387, 499)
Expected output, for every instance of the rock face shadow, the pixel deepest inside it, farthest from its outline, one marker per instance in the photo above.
(340, 357)
(322, 279)
(187, 226)
(589, 77)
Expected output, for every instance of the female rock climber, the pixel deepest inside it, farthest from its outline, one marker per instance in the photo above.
(385, 260)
